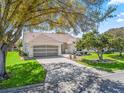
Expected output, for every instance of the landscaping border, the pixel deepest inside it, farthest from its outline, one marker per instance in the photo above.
(23, 89)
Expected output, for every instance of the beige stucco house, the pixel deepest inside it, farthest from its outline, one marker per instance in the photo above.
(37, 44)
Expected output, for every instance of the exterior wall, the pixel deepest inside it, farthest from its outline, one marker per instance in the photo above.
(59, 50)
(71, 48)
(64, 46)
(68, 48)
(30, 51)
(25, 48)
(24, 43)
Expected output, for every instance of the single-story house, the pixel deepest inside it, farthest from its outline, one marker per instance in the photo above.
(38, 44)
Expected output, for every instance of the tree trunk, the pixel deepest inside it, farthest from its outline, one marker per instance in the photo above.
(3, 53)
(120, 53)
(100, 55)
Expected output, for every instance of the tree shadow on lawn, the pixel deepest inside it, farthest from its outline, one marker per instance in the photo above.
(24, 74)
(105, 66)
(117, 57)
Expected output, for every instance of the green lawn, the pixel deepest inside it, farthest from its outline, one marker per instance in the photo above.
(22, 72)
(115, 62)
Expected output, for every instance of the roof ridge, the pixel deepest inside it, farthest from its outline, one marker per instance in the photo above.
(66, 34)
(44, 35)
(51, 37)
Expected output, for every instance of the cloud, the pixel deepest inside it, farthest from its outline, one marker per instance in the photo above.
(115, 2)
(120, 20)
(121, 14)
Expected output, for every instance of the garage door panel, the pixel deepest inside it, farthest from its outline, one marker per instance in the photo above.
(52, 50)
(43, 46)
(39, 54)
(39, 46)
(52, 46)
(52, 54)
(41, 51)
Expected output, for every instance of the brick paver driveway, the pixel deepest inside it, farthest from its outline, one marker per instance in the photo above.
(65, 76)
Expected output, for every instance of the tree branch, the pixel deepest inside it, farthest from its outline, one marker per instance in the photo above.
(16, 8)
(6, 11)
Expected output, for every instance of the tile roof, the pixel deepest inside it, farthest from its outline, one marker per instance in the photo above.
(39, 37)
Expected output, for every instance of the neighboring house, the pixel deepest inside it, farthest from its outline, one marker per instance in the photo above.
(37, 44)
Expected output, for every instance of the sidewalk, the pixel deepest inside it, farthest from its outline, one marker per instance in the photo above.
(117, 76)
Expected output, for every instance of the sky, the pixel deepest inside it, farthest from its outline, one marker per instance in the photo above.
(117, 21)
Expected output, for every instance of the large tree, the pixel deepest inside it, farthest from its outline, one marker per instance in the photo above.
(19, 15)
(98, 13)
(97, 42)
(117, 41)
(118, 44)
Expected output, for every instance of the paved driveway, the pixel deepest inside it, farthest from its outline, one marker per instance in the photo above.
(48, 60)
(58, 60)
(118, 76)
(66, 76)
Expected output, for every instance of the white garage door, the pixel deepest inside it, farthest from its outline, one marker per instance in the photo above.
(45, 50)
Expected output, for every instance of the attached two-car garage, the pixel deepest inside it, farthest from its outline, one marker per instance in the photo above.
(37, 44)
(45, 50)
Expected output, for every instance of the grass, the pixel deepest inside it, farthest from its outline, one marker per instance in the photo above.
(114, 62)
(22, 72)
